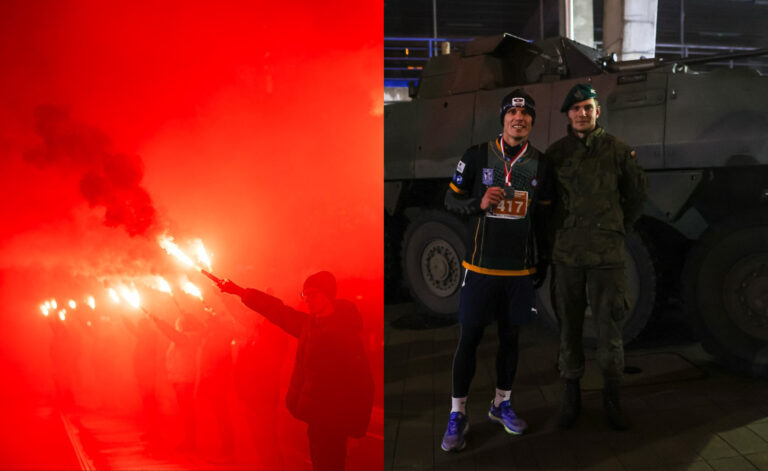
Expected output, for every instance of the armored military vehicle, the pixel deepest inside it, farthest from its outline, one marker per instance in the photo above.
(701, 136)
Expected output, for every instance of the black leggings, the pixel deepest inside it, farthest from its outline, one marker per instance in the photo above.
(464, 359)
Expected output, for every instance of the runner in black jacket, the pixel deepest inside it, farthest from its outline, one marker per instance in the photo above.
(498, 185)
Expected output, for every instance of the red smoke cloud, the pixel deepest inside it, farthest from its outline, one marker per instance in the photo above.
(256, 126)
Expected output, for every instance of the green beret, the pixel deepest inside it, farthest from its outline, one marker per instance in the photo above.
(579, 92)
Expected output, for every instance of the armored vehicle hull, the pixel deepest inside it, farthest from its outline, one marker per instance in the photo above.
(702, 138)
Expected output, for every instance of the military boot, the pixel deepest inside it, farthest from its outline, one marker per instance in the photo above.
(571, 406)
(612, 406)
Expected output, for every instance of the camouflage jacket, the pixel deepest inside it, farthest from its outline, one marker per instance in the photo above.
(599, 191)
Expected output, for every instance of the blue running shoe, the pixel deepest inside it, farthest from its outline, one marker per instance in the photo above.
(458, 425)
(506, 417)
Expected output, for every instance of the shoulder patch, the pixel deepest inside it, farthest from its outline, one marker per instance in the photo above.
(460, 167)
(488, 176)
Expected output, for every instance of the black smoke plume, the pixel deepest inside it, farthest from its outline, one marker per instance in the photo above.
(108, 179)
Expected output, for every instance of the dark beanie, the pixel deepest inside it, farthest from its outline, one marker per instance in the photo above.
(517, 99)
(324, 282)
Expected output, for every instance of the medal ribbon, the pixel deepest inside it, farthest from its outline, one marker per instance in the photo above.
(508, 170)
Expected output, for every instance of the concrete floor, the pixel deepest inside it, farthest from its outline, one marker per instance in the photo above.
(687, 412)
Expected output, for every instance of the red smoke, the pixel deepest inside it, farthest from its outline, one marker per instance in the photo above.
(255, 126)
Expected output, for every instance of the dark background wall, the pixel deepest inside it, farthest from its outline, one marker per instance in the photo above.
(742, 23)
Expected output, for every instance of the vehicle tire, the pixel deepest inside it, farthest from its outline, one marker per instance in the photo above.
(725, 289)
(641, 281)
(433, 248)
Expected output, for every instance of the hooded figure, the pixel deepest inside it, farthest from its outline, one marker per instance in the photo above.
(331, 385)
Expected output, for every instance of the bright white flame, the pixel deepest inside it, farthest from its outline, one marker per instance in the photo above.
(191, 289)
(47, 304)
(131, 296)
(113, 295)
(44, 308)
(91, 302)
(53, 304)
(72, 303)
(167, 243)
(63, 314)
(202, 255)
(158, 283)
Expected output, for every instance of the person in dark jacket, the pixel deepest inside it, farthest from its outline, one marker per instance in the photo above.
(331, 386)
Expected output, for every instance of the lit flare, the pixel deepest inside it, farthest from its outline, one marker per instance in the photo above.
(167, 243)
(191, 289)
(201, 254)
(158, 283)
(72, 304)
(91, 302)
(131, 296)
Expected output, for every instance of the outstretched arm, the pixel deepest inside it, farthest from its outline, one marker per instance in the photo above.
(288, 319)
(172, 334)
(130, 326)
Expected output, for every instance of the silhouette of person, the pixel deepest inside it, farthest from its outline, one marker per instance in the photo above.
(214, 375)
(65, 350)
(181, 365)
(257, 386)
(145, 372)
(331, 386)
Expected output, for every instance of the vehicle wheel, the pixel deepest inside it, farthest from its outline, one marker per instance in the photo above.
(641, 280)
(433, 248)
(726, 292)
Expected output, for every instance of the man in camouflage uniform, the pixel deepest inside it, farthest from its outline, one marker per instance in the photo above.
(600, 189)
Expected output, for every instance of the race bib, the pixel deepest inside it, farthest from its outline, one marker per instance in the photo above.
(511, 208)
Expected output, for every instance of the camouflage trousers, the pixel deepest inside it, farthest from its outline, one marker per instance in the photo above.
(605, 290)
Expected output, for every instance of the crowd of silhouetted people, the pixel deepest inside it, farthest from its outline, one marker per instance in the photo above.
(213, 383)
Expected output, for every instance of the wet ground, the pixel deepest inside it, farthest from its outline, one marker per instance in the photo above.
(688, 413)
(37, 435)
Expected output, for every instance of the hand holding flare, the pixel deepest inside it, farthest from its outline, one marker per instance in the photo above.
(228, 286)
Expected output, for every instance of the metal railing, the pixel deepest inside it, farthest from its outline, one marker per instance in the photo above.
(404, 57)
